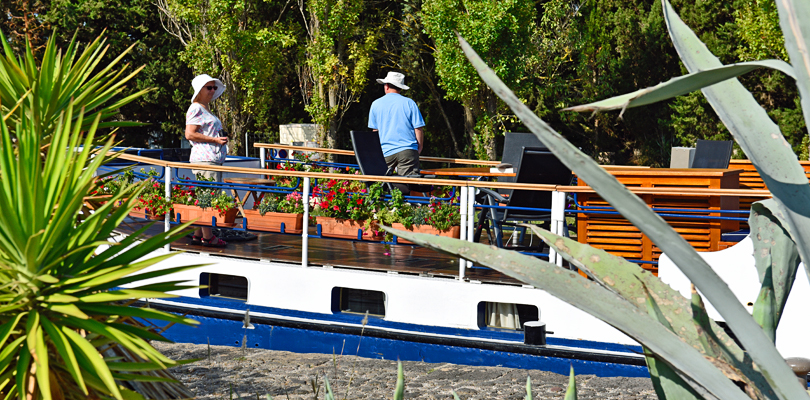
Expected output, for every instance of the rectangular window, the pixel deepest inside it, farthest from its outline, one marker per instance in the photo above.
(506, 315)
(226, 286)
(358, 301)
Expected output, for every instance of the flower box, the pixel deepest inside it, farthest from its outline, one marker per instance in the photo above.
(271, 221)
(203, 217)
(453, 231)
(346, 229)
(142, 213)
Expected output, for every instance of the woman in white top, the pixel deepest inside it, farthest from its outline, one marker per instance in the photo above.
(209, 144)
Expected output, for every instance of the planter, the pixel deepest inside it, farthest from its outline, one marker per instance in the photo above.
(271, 222)
(453, 231)
(346, 229)
(142, 213)
(203, 217)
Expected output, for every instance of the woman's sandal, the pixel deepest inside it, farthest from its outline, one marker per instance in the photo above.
(214, 242)
(196, 240)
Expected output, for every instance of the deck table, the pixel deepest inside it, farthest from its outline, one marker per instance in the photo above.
(616, 235)
(257, 196)
(465, 171)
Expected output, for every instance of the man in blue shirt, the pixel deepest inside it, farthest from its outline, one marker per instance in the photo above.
(398, 121)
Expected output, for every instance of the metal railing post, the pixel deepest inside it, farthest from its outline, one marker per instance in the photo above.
(167, 179)
(262, 157)
(305, 233)
(557, 222)
(470, 218)
(462, 263)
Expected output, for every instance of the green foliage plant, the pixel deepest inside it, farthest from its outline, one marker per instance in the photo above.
(335, 61)
(501, 30)
(153, 196)
(291, 203)
(62, 309)
(687, 354)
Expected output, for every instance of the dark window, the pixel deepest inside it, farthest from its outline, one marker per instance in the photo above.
(506, 315)
(228, 286)
(358, 301)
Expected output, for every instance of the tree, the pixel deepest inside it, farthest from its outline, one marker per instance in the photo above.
(409, 50)
(332, 70)
(243, 42)
(500, 31)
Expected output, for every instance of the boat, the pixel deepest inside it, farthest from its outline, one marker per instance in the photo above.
(305, 293)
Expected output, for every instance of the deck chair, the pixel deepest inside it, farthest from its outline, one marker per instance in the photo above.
(369, 155)
(513, 144)
(535, 165)
(714, 154)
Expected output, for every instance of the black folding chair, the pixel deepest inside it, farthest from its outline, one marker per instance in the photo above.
(536, 165)
(513, 144)
(714, 154)
(369, 155)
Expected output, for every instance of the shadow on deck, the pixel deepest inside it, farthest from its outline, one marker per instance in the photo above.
(337, 253)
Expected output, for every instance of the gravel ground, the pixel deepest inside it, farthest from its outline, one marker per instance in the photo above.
(284, 375)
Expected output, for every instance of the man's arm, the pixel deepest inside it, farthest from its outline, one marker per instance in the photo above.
(194, 136)
(420, 137)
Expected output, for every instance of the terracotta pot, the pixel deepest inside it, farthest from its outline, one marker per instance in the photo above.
(271, 222)
(453, 231)
(203, 217)
(346, 229)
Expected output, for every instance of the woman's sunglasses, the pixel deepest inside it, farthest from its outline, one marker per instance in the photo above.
(211, 87)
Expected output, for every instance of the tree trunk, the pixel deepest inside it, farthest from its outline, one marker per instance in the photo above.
(469, 125)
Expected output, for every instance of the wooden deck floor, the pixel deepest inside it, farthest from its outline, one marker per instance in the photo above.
(405, 259)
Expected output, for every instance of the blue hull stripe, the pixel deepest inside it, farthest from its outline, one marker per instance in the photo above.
(346, 318)
(231, 333)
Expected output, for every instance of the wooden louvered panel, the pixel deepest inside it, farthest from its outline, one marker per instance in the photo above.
(616, 235)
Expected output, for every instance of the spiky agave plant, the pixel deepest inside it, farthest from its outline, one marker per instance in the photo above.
(61, 312)
(703, 362)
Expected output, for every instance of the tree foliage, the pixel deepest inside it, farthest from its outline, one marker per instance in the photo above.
(500, 31)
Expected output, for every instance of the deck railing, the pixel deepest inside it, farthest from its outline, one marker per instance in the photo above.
(466, 189)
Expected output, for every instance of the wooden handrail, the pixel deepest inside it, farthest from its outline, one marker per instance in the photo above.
(351, 153)
(449, 182)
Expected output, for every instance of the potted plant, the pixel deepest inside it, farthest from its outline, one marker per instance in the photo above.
(344, 208)
(152, 203)
(275, 209)
(440, 218)
(204, 205)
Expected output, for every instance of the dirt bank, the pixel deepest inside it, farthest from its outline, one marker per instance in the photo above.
(287, 375)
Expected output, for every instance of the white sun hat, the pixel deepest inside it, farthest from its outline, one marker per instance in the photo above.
(395, 78)
(199, 82)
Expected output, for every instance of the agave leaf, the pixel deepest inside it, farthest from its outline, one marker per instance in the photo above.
(571, 392)
(793, 18)
(777, 260)
(681, 85)
(399, 390)
(529, 387)
(667, 305)
(770, 153)
(591, 298)
(669, 241)
(147, 313)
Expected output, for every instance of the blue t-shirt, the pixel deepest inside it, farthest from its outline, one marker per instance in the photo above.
(395, 117)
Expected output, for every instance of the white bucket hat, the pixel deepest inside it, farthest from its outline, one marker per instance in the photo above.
(395, 78)
(199, 82)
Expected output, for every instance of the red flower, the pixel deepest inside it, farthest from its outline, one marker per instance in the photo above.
(360, 201)
(335, 208)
